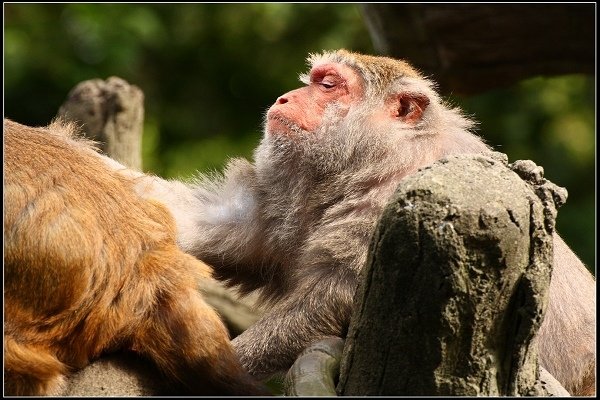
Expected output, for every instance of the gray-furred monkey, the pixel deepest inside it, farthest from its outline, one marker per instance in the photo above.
(297, 222)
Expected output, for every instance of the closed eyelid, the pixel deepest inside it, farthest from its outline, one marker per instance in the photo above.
(324, 76)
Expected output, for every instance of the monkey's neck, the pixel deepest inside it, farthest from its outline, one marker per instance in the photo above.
(292, 211)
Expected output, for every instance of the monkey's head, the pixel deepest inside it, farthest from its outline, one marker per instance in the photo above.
(358, 112)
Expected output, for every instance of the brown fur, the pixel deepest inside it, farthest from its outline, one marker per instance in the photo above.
(90, 267)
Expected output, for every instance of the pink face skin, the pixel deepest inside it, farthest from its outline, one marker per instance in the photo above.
(304, 107)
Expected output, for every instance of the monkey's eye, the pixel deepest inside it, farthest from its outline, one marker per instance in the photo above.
(327, 80)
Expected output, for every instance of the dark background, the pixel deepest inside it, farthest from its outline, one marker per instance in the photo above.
(210, 71)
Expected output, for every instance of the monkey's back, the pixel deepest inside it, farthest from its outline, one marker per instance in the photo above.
(81, 249)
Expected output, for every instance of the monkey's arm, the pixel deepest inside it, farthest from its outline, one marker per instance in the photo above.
(318, 308)
(216, 216)
(318, 301)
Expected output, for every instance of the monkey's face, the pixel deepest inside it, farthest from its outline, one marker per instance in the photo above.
(330, 88)
(342, 121)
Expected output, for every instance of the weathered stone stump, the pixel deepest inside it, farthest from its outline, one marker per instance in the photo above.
(455, 286)
(116, 375)
(112, 113)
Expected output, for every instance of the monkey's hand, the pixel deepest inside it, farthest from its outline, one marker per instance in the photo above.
(319, 309)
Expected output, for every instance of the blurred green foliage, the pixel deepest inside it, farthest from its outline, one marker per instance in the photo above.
(210, 71)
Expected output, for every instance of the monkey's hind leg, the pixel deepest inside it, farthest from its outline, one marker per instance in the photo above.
(31, 370)
(189, 343)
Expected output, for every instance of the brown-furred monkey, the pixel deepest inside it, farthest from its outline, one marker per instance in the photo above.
(90, 267)
(296, 223)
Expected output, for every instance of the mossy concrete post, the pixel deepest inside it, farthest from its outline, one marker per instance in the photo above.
(455, 286)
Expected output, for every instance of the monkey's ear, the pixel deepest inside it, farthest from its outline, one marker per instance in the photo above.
(409, 106)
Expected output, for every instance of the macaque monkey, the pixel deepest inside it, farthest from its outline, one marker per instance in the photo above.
(296, 223)
(91, 267)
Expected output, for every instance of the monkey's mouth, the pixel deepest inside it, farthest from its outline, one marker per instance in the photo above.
(277, 123)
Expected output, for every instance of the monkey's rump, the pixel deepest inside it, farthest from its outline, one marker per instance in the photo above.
(76, 239)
